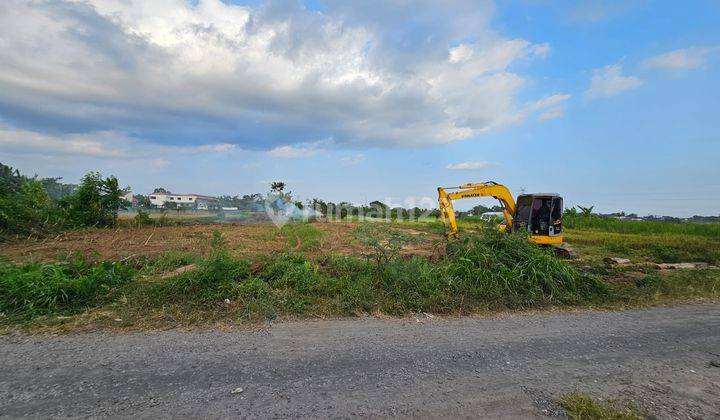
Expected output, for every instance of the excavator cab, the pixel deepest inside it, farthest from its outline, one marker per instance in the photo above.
(540, 215)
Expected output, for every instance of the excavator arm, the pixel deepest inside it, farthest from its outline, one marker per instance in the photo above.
(485, 189)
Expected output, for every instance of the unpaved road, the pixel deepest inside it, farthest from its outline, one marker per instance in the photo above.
(508, 366)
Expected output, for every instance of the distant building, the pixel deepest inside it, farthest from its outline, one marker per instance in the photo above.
(130, 198)
(492, 215)
(192, 201)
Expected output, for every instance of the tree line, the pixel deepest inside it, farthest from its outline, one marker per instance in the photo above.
(33, 205)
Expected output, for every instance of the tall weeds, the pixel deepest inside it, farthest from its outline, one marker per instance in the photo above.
(63, 288)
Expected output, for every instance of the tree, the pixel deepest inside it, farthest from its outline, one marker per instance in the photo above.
(160, 190)
(586, 211)
(96, 201)
(377, 209)
(57, 190)
(143, 201)
(29, 211)
(480, 209)
(277, 187)
(10, 180)
(570, 212)
(252, 202)
(318, 205)
(170, 205)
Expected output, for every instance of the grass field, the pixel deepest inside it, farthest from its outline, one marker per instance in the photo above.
(235, 273)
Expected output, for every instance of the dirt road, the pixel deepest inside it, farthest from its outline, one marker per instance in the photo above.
(508, 366)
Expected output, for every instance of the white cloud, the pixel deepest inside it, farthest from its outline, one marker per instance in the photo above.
(682, 59)
(609, 81)
(470, 165)
(259, 76)
(552, 114)
(541, 50)
(293, 152)
(550, 107)
(105, 144)
(159, 163)
(352, 160)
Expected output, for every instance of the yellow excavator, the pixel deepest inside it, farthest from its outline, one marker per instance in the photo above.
(539, 214)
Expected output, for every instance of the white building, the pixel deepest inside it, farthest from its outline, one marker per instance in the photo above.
(195, 201)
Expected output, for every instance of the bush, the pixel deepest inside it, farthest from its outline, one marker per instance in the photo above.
(63, 288)
(142, 218)
(95, 203)
(29, 211)
(665, 254)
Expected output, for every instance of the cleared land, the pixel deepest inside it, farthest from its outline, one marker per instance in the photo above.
(225, 274)
(513, 366)
(244, 240)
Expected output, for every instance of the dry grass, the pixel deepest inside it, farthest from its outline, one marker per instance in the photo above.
(244, 240)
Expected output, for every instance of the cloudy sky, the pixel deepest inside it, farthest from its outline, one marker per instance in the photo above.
(609, 103)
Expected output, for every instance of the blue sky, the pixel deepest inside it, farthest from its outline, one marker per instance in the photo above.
(612, 104)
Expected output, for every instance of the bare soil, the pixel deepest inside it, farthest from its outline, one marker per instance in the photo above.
(245, 240)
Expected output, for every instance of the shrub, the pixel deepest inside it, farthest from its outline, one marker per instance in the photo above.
(29, 211)
(142, 218)
(385, 243)
(62, 288)
(665, 254)
(95, 203)
(26, 207)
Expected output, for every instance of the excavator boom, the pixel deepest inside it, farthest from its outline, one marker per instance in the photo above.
(484, 189)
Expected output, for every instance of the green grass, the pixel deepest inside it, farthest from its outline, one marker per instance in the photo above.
(482, 271)
(491, 271)
(674, 286)
(301, 236)
(583, 407)
(64, 288)
(593, 246)
(609, 224)
(170, 261)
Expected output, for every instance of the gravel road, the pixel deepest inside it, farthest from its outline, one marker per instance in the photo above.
(507, 366)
